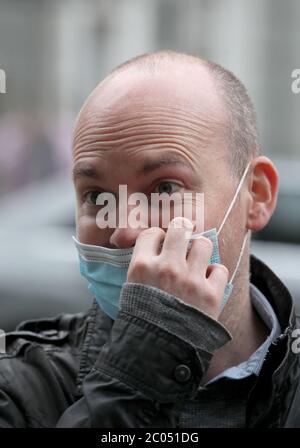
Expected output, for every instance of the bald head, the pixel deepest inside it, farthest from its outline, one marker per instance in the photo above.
(205, 89)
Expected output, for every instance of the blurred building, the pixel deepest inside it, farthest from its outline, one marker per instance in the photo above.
(54, 53)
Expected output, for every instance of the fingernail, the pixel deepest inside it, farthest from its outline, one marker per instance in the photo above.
(180, 222)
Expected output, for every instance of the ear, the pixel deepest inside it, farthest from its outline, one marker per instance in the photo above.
(263, 190)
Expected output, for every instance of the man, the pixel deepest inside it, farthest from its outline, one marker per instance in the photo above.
(174, 349)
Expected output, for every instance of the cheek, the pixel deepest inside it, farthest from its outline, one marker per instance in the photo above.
(214, 211)
(231, 239)
(228, 247)
(87, 231)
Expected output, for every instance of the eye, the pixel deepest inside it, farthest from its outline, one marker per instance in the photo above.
(167, 187)
(91, 197)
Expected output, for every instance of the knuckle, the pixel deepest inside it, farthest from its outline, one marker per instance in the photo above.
(167, 271)
(211, 295)
(223, 271)
(150, 231)
(193, 287)
(138, 266)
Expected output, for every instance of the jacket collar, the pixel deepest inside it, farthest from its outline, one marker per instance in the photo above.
(275, 291)
(272, 391)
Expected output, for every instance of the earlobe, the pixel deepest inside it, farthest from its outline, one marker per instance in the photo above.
(263, 189)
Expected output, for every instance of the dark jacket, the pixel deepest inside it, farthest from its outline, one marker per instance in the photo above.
(86, 370)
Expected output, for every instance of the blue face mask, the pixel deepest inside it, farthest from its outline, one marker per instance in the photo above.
(106, 269)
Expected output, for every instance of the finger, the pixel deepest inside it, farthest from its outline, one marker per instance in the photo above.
(200, 254)
(148, 243)
(177, 238)
(217, 275)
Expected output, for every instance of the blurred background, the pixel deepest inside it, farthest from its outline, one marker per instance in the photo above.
(54, 53)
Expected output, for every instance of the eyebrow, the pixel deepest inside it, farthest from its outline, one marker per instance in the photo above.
(153, 165)
(88, 171)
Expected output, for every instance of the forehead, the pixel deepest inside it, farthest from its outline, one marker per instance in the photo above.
(135, 110)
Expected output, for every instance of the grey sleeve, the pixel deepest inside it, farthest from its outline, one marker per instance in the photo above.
(155, 357)
(173, 315)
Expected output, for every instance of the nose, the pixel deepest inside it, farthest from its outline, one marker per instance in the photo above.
(125, 235)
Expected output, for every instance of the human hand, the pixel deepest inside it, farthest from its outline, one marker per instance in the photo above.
(160, 259)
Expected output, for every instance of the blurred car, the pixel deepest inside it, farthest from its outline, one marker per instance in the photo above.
(39, 269)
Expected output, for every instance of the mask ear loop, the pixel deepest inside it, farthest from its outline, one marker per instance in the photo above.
(240, 256)
(234, 198)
